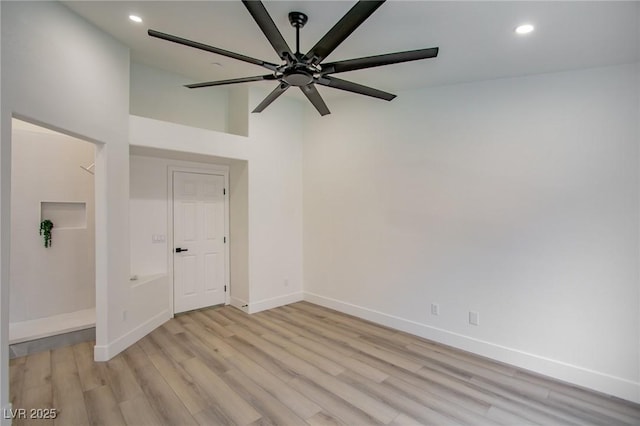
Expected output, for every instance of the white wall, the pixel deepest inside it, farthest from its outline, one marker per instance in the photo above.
(59, 279)
(239, 232)
(148, 215)
(275, 201)
(161, 95)
(272, 232)
(516, 198)
(239, 110)
(60, 71)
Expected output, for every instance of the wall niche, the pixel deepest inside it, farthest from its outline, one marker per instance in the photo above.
(64, 214)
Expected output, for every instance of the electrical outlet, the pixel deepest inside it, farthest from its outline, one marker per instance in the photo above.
(286, 282)
(124, 315)
(435, 309)
(474, 318)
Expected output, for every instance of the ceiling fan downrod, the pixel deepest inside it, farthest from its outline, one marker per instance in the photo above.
(297, 20)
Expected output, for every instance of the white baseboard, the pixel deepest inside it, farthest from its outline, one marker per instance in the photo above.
(106, 352)
(6, 418)
(580, 376)
(241, 304)
(274, 302)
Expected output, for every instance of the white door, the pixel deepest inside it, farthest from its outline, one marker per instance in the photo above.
(199, 241)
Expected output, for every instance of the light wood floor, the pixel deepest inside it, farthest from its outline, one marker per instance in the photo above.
(295, 365)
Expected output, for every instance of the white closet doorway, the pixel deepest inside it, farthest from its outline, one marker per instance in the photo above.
(200, 240)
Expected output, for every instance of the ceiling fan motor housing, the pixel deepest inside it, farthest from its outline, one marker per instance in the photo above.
(298, 76)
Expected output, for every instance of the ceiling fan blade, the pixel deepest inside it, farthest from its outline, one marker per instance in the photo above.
(314, 97)
(379, 60)
(349, 86)
(201, 46)
(268, 27)
(340, 31)
(282, 87)
(231, 81)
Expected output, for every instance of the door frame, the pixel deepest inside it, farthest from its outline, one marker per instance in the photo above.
(213, 169)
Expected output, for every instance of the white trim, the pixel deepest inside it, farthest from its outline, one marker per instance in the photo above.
(38, 328)
(241, 304)
(213, 169)
(101, 204)
(274, 302)
(574, 374)
(106, 352)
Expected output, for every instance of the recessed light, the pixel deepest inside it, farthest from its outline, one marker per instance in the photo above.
(524, 29)
(135, 18)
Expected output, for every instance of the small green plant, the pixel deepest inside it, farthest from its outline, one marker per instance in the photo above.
(45, 230)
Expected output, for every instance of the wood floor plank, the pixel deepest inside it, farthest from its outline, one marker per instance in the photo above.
(213, 415)
(148, 345)
(346, 361)
(137, 411)
(214, 314)
(404, 420)
(338, 407)
(182, 383)
(298, 403)
(168, 344)
(274, 327)
(298, 327)
(375, 409)
(606, 413)
(316, 359)
(68, 397)
(37, 370)
(92, 374)
(276, 367)
(269, 407)
(216, 362)
(16, 380)
(297, 364)
(438, 403)
(237, 317)
(236, 408)
(102, 407)
(37, 397)
(159, 394)
(581, 395)
(207, 336)
(208, 321)
(324, 419)
(121, 379)
(401, 402)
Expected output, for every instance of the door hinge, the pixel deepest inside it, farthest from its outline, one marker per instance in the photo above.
(224, 191)
(225, 288)
(225, 240)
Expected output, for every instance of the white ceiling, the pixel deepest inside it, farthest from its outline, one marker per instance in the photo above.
(476, 39)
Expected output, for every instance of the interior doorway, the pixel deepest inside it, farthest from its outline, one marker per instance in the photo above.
(199, 240)
(52, 283)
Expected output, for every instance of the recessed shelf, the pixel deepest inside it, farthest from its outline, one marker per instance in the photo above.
(64, 214)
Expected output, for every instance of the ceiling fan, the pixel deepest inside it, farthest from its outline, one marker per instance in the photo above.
(307, 70)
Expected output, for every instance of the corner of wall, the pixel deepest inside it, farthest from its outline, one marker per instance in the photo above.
(111, 349)
(274, 302)
(238, 116)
